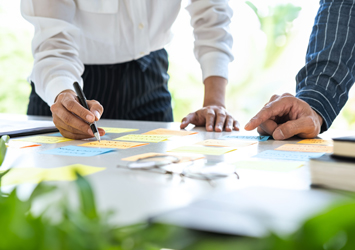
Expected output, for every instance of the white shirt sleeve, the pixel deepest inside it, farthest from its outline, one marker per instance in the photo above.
(55, 51)
(213, 40)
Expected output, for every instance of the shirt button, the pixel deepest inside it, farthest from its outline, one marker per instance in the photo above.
(141, 26)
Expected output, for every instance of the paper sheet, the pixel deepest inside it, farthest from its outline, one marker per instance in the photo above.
(246, 137)
(112, 144)
(316, 141)
(287, 155)
(144, 138)
(203, 150)
(277, 166)
(118, 130)
(44, 139)
(182, 157)
(35, 175)
(163, 131)
(77, 151)
(306, 148)
(225, 143)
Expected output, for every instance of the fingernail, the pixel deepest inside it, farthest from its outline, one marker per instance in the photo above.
(247, 125)
(279, 134)
(90, 118)
(90, 132)
(97, 114)
(210, 127)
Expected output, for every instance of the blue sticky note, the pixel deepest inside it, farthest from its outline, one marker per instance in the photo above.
(287, 155)
(56, 134)
(77, 151)
(247, 137)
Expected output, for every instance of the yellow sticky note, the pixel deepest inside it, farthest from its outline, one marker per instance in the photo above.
(182, 157)
(44, 139)
(112, 144)
(277, 166)
(204, 150)
(163, 131)
(144, 138)
(118, 130)
(225, 143)
(306, 148)
(316, 141)
(35, 175)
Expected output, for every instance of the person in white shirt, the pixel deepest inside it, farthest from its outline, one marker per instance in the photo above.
(115, 50)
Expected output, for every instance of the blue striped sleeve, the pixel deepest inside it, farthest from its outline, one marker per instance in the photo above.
(324, 82)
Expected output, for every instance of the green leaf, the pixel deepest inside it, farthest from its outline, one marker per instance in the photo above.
(4, 139)
(86, 196)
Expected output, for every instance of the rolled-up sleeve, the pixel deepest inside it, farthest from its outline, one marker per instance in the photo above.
(213, 40)
(324, 82)
(56, 58)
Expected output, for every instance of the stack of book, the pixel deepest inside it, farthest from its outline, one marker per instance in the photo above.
(336, 170)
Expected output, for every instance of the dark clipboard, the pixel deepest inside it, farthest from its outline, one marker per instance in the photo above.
(30, 131)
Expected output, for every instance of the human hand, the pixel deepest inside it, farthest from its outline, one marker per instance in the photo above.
(72, 119)
(213, 117)
(285, 116)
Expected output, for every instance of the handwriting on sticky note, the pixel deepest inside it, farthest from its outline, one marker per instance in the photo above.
(182, 157)
(316, 141)
(112, 144)
(203, 150)
(163, 131)
(44, 139)
(246, 137)
(35, 175)
(77, 151)
(226, 143)
(277, 166)
(306, 148)
(118, 130)
(144, 138)
(287, 155)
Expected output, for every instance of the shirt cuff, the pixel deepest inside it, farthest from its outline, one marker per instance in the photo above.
(320, 101)
(214, 64)
(57, 85)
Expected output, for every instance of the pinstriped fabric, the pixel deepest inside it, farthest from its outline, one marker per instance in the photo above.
(135, 90)
(328, 75)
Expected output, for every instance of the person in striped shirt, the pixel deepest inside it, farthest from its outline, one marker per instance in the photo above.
(324, 82)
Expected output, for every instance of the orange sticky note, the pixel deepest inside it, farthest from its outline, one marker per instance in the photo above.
(22, 144)
(306, 148)
(316, 141)
(226, 143)
(203, 150)
(112, 144)
(163, 131)
(182, 157)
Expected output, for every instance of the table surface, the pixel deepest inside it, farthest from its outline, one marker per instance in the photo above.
(137, 195)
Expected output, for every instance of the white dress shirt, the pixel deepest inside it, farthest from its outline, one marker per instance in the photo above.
(71, 33)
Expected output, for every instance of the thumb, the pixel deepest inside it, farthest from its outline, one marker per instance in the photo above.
(291, 128)
(187, 120)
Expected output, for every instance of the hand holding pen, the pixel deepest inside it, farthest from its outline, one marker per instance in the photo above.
(73, 119)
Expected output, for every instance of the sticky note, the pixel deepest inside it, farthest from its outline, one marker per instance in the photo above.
(277, 166)
(35, 175)
(56, 134)
(246, 137)
(182, 157)
(163, 131)
(144, 138)
(287, 155)
(203, 150)
(316, 141)
(22, 144)
(225, 143)
(44, 139)
(306, 148)
(112, 144)
(77, 151)
(118, 130)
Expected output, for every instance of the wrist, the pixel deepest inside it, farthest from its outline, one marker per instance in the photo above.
(69, 91)
(215, 88)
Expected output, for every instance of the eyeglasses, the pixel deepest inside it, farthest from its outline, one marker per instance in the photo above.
(184, 167)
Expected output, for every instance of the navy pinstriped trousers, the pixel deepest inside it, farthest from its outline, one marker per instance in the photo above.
(135, 90)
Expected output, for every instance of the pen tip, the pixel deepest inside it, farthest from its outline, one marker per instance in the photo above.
(97, 135)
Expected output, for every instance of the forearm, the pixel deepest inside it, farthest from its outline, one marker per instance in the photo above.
(325, 80)
(215, 89)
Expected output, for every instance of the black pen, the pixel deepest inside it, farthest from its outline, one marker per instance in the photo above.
(82, 100)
